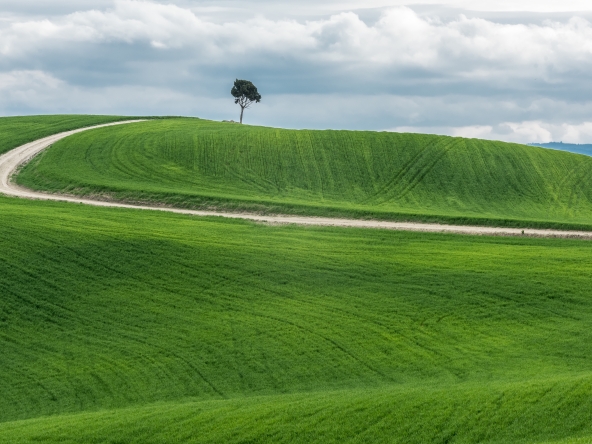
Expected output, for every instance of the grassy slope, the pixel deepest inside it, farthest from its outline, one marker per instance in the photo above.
(538, 411)
(16, 131)
(133, 326)
(196, 163)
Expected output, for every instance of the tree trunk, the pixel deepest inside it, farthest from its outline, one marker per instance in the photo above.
(242, 110)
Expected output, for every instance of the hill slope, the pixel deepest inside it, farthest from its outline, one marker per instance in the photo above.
(133, 326)
(196, 163)
(555, 411)
(16, 131)
(147, 327)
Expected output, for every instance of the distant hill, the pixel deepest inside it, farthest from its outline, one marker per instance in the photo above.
(571, 147)
(194, 163)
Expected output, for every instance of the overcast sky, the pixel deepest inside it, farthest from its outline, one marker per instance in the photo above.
(515, 70)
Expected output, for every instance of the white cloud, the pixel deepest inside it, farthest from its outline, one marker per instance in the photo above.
(477, 5)
(23, 92)
(26, 87)
(14, 80)
(548, 132)
(475, 131)
(400, 39)
(518, 5)
(464, 76)
(288, 7)
(520, 132)
(530, 131)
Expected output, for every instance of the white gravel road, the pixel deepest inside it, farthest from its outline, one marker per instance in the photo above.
(10, 161)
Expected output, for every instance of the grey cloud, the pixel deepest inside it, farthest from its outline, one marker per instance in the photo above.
(496, 74)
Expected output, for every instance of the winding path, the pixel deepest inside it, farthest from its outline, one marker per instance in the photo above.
(12, 160)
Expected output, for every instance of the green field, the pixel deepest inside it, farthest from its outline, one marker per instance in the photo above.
(129, 326)
(203, 164)
(16, 131)
(135, 326)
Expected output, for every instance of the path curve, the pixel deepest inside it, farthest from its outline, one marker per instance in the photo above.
(12, 160)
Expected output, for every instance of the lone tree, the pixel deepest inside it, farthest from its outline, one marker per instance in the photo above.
(244, 93)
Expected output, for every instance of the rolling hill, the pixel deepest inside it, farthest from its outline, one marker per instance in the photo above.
(204, 164)
(16, 131)
(134, 326)
(138, 326)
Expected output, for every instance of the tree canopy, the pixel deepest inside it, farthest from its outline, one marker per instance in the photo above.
(245, 94)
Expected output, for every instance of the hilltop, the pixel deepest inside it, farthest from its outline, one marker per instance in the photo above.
(16, 131)
(193, 163)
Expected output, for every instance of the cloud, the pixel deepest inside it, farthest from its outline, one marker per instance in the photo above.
(538, 131)
(399, 39)
(14, 80)
(460, 75)
(520, 132)
(25, 88)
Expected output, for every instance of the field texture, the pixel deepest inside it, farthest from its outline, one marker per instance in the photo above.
(16, 131)
(203, 164)
(125, 326)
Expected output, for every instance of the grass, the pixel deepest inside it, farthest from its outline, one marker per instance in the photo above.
(129, 326)
(203, 164)
(516, 413)
(16, 131)
(136, 326)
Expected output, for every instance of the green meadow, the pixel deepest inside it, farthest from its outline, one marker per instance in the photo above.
(203, 164)
(135, 326)
(138, 326)
(16, 131)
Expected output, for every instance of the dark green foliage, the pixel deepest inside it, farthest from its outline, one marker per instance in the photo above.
(204, 164)
(16, 131)
(138, 326)
(245, 94)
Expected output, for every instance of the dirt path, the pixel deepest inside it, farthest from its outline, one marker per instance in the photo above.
(10, 161)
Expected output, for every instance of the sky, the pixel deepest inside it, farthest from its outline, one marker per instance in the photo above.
(513, 70)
